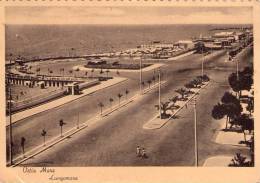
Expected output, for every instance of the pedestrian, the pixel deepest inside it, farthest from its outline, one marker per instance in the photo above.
(138, 151)
(143, 153)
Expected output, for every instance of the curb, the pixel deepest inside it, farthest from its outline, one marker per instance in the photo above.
(148, 128)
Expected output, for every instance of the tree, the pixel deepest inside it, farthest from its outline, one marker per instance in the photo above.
(61, 123)
(203, 78)
(182, 92)
(229, 98)
(239, 161)
(218, 112)
(244, 81)
(149, 83)
(189, 85)
(174, 100)
(230, 108)
(101, 71)
(164, 108)
(92, 71)
(86, 73)
(119, 97)
(126, 93)
(107, 71)
(143, 84)
(250, 106)
(111, 101)
(38, 70)
(196, 83)
(23, 140)
(101, 105)
(43, 134)
(247, 124)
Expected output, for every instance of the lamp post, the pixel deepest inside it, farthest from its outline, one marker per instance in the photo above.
(159, 96)
(202, 63)
(10, 126)
(141, 92)
(237, 69)
(10, 119)
(195, 135)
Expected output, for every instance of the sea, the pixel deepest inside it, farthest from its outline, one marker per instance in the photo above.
(33, 41)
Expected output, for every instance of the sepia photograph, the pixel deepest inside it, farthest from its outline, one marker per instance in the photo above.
(129, 86)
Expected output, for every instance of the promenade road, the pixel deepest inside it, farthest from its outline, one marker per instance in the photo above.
(116, 135)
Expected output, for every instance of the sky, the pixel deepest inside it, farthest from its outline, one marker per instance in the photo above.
(128, 15)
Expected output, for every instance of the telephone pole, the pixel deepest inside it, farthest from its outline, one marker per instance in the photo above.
(202, 63)
(141, 92)
(160, 93)
(10, 118)
(195, 134)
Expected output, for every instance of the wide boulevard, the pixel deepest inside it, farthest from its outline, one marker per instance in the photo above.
(112, 141)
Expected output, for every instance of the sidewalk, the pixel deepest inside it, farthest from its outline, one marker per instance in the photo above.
(157, 123)
(61, 101)
(41, 148)
(230, 137)
(218, 161)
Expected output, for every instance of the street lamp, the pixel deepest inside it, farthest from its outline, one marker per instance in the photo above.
(10, 117)
(196, 154)
(141, 75)
(159, 88)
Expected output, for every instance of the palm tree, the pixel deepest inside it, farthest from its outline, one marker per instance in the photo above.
(239, 161)
(182, 92)
(126, 93)
(111, 101)
(77, 70)
(44, 133)
(101, 71)
(61, 123)
(50, 72)
(101, 105)
(38, 70)
(107, 71)
(119, 97)
(149, 83)
(164, 107)
(143, 84)
(174, 100)
(92, 71)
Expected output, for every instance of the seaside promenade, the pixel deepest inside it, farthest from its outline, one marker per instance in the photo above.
(61, 101)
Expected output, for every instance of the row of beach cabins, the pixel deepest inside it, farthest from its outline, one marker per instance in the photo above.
(158, 50)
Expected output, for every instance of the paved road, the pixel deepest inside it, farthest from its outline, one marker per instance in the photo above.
(113, 140)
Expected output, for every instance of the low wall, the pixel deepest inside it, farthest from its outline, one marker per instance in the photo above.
(88, 84)
(36, 101)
